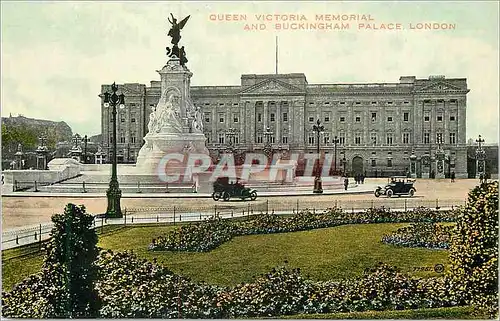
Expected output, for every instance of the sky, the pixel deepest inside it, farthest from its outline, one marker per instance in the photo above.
(56, 55)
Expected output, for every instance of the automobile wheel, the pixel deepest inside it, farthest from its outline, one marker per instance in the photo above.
(412, 192)
(253, 195)
(377, 193)
(226, 196)
(389, 193)
(216, 196)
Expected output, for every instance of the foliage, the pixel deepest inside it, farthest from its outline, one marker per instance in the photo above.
(209, 234)
(474, 249)
(428, 235)
(65, 286)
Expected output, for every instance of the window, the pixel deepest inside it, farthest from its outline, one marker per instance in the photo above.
(358, 119)
(285, 116)
(132, 118)
(259, 117)
(388, 139)
(342, 119)
(358, 103)
(406, 138)
(236, 139)
(374, 116)
(389, 103)
(389, 119)
(389, 162)
(221, 138)
(271, 139)
(122, 119)
(311, 119)
(122, 139)
(374, 102)
(373, 138)
(452, 138)
(208, 135)
(426, 117)
(272, 117)
(326, 138)
(439, 138)
(374, 162)
(132, 138)
(207, 117)
(406, 116)
(326, 116)
(427, 139)
(342, 138)
(259, 138)
(452, 118)
(357, 139)
(221, 118)
(440, 118)
(235, 118)
(342, 103)
(111, 139)
(310, 139)
(284, 140)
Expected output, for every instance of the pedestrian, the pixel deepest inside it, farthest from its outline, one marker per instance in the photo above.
(346, 183)
(452, 175)
(362, 179)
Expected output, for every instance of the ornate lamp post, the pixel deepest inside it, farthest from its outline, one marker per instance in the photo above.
(114, 193)
(335, 142)
(268, 149)
(439, 158)
(85, 141)
(318, 128)
(480, 158)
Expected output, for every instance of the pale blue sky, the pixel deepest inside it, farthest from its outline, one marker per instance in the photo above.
(55, 55)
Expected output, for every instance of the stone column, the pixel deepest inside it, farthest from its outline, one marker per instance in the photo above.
(242, 109)
(277, 119)
(265, 103)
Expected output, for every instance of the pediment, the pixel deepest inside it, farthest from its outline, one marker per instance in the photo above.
(270, 86)
(440, 86)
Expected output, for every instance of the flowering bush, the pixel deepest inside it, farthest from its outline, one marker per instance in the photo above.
(209, 234)
(428, 235)
(474, 249)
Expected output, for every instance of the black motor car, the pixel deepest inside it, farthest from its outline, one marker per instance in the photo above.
(398, 185)
(224, 189)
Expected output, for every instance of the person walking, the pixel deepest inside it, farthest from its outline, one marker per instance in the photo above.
(452, 175)
(346, 183)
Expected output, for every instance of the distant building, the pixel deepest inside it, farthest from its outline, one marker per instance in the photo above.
(378, 125)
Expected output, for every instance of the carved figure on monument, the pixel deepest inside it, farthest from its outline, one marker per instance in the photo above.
(168, 114)
(175, 34)
(153, 122)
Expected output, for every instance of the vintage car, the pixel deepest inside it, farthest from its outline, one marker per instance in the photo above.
(398, 185)
(225, 189)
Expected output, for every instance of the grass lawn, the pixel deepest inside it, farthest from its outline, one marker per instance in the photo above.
(456, 313)
(323, 254)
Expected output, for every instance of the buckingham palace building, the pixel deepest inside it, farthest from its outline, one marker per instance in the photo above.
(378, 129)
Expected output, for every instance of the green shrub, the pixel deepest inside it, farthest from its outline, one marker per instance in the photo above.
(474, 249)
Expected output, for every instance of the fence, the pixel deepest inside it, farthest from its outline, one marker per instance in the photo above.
(191, 213)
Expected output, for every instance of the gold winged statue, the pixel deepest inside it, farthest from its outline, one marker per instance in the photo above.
(175, 30)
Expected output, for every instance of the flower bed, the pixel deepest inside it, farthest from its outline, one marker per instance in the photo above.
(427, 235)
(129, 287)
(207, 235)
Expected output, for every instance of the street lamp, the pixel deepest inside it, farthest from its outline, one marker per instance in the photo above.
(318, 128)
(114, 193)
(335, 142)
(480, 158)
(268, 149)
(85, 141)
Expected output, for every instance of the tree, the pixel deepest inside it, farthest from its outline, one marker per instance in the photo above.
(73, 251)
(474, 249)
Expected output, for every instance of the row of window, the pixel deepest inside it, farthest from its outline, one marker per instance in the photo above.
(389, 138)
(132, 139)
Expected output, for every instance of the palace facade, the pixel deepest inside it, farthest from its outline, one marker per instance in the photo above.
(381, 128)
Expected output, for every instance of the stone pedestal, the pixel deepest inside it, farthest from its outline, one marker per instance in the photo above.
(175, 126)
(480, 163)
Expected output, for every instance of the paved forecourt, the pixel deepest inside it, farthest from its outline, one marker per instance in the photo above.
(20, 211)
